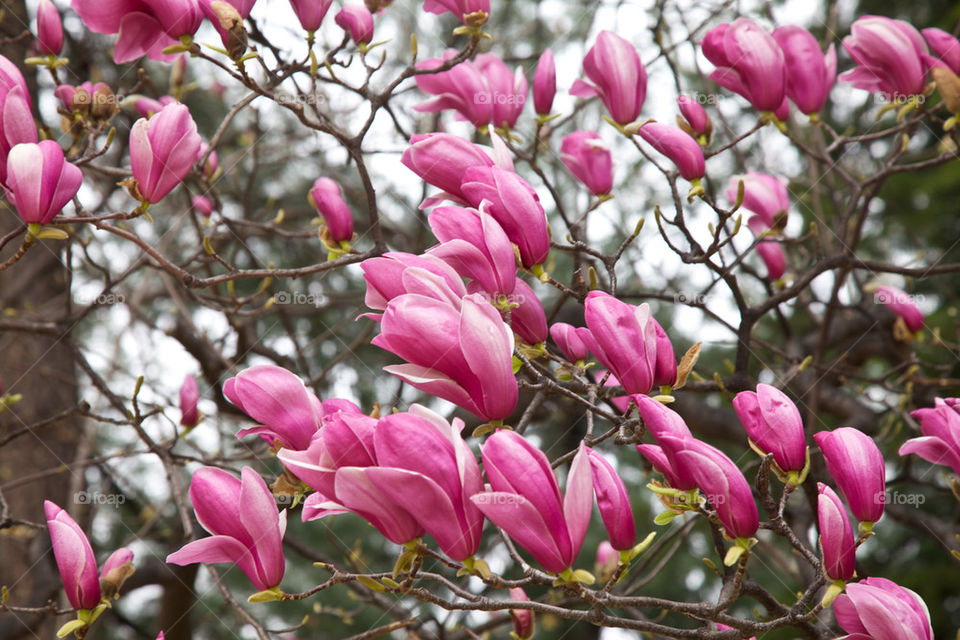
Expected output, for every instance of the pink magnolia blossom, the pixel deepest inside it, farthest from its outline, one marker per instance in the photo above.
(310, 13)
(278, 399)
(570, 341)
(619, 78)
(718, 478)
(466, 11)
(676, 144)
(856, 464)
(424, 464)
(588, 158)
(880, 609)
(325, 196)
(613, 501)
(940, 443)
(442, 159)
(203, 205)
(945, 47)
(515, 205)
(16, 117)
(163, 150)
(526, 502)
(189, 394)
(523, 621)
(695, 117)
(49, 29)
(623, 338)
(774, 424)
(40, 181)
(464, 356)
(544, 83)
(476, 246)
(890, 54)
(749, 62)
(763, 194)
(336, 464)
(900, 303)
(810, 73)
(356, 20)
(837, 543)
(143, 27)
(396, 273)
(247, 528)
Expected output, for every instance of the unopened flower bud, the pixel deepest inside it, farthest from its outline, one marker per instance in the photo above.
(103, 103)
(233, 34)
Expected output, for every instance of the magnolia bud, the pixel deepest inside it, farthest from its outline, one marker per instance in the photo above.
(103, 103)
(81, 101)
(949, 86)
(235, 39)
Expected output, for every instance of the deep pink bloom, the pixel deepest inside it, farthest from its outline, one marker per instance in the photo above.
(676, 144)
(570, 341)
(442, 159)
(659, 420)
(356, 20)
(16, 117)
(718, 478)
(75, 559)
(482, 91)
(774, 425)
(335, 466)
(526, 503)
(523, 622)
(946, 49)
(247, 528)
(900, 303)
(748, 61)
(49, 29)
(763, 194)
(143, 26)
(837, 543)
(614, 502)
(623, 338)
(461, 88)
(213, 161)
(459, 8)
(326, 197)
(424, 464)
(476, 246)
(607, 556)
(148, 107)
(810, 73)
(768, 249)
(310, 13)
(618, 76)
(396, 272)
(286, 409)
(695, 115)
(856, 464)
(243, 7)
(940, 443)
(880, 609)
(40, 182)
(163, 150)
(544, 83)
(464, 356)
(508, 89)
(515, 205)
(588, 158)
(189, 394)
(889, 54)
(202, 205)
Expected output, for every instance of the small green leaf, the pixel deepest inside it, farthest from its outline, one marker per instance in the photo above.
(70, 627)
